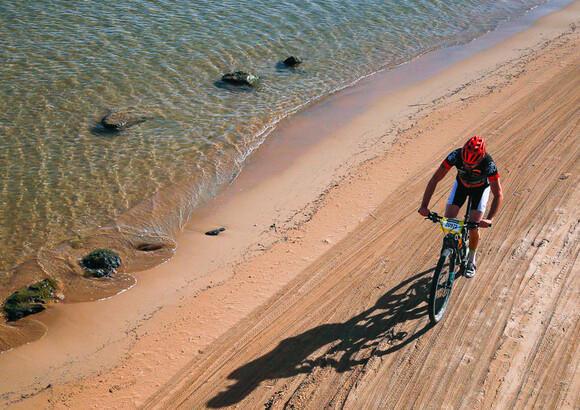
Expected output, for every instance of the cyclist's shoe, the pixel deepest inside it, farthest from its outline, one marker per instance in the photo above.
(470, 270)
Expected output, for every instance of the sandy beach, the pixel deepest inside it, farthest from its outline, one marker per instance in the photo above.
(314, 295)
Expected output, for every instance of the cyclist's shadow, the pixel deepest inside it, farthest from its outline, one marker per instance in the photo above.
(403, 303)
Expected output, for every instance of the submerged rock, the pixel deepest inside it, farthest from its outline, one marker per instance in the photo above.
(28, 301)
(120, 120)
(241, 78)
(293, 61)
(101, 263)
(149, 247)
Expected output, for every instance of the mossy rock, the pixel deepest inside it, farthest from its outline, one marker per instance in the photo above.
(101, 263)
(29, 301)
(241, 78)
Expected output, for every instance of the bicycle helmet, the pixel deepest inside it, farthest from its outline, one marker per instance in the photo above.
(473, 151)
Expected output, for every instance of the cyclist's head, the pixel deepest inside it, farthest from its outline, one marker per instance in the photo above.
(473, 151)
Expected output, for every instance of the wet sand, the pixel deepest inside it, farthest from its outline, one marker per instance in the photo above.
(305, 300)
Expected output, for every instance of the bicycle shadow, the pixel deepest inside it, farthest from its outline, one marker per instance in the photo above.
(404, 302)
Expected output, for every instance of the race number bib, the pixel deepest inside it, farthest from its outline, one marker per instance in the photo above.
(450, 225)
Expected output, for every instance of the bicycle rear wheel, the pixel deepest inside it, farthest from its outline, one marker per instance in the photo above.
(441, 285)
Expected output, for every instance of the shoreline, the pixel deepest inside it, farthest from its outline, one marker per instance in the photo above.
(336, 111)
(316, 176)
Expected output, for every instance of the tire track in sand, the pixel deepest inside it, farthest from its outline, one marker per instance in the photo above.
(351, 331)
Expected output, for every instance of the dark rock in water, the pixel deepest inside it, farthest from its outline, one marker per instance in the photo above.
(100, 263)
(31, 300)
(215, 232)
(290, 64)
(241, 78)
(120, 120)
(293, 61)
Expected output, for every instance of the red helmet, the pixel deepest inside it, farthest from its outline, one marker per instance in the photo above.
(473, 150)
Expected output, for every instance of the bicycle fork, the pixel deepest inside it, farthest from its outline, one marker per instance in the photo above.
(451, 242)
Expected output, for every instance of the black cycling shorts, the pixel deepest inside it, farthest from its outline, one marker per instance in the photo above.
(479, 196)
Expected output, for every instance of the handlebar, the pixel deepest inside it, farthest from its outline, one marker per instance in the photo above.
(436, 218)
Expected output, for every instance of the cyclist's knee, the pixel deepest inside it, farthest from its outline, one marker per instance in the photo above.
(451, 211)
(475, 216)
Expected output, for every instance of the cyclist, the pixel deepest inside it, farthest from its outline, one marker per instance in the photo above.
(476, 175)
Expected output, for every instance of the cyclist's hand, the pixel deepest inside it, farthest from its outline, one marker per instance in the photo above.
(485, 223)
(424, 211)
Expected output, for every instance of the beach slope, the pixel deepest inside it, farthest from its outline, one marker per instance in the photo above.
(327, 307)
(351, 331)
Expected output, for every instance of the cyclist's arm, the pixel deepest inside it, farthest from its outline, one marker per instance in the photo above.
(497, 192)
(430, 189)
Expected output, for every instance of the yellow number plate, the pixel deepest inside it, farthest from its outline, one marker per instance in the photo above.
(450, 225)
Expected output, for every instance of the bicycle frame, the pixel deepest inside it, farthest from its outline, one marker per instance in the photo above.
(453, 254)
(458, 242)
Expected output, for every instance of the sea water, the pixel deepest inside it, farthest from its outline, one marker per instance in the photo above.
(65, 64)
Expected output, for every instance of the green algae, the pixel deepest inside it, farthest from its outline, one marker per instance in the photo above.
(31, 300)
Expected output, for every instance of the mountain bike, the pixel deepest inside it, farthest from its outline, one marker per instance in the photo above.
(453, 255)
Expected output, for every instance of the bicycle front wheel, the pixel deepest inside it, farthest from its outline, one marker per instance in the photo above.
(441, 285)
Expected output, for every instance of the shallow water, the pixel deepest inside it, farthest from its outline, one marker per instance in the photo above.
(67, 63)
(67, 188)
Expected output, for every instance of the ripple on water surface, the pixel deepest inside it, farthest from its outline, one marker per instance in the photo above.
(67, 63)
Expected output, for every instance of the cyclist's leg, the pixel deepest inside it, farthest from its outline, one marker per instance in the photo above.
(457, 198)
(451, 211)
(474, 216)
(479, 198)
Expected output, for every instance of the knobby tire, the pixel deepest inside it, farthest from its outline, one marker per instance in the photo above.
(441, 285)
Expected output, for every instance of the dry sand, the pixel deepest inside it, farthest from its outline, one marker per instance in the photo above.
(315, 294)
